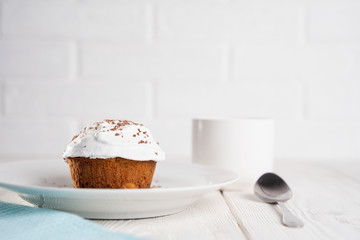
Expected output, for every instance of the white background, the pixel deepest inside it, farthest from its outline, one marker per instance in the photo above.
(162, 62)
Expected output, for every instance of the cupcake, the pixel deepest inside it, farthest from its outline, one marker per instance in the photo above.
(113, 154)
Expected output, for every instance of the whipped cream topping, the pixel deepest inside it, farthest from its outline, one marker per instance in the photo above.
(115, 138)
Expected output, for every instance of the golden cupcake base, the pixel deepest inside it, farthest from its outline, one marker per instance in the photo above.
(110, 173)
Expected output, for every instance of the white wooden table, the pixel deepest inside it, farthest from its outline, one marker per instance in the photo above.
(326, 197)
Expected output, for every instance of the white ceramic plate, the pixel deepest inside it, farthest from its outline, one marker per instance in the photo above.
(48, 184)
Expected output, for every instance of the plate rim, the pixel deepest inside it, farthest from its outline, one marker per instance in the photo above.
(235, 177)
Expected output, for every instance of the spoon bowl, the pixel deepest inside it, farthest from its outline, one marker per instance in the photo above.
(271, 188)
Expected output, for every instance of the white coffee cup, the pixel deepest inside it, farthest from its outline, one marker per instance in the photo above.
(241, 145)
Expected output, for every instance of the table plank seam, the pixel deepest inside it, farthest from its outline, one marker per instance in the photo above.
(237, 219)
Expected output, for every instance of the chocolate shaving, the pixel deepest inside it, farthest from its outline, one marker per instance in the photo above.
(74, 137)
(117, 125)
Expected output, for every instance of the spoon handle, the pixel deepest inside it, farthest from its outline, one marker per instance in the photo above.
(289, 219)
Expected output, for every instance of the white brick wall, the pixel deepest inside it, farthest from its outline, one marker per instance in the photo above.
(20, 58)
(335, 23)
(83, 19)
(64, 63)
(318, 140)
(24, 138)
(306, 63)
(146, 62)
(65, 99)
(207, 22)
(233, 100)
(338, 100)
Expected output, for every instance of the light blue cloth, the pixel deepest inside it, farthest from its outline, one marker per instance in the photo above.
(23, 222)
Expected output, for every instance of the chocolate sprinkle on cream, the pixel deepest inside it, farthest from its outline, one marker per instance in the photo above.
(74, 137)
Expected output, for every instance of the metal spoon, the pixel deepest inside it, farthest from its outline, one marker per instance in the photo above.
(273, 189)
